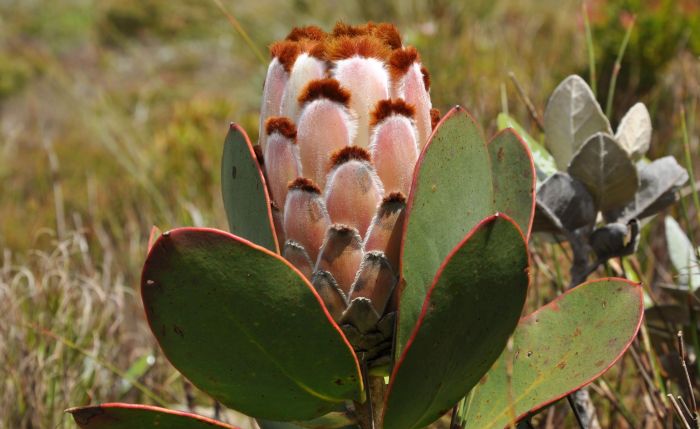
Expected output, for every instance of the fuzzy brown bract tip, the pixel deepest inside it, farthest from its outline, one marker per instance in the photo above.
(304, 184)
(349, 153)
(366, 46)
(401, 60)
(386, 108)
(310, 32)
(434, 117)
(286, 52)
(394, 198)
(344, 29)
(282, 125)
(384, 31)
(389, 34)
(328, 88)
(426, 77)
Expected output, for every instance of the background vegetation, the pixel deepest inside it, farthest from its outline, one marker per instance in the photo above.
(112, 117)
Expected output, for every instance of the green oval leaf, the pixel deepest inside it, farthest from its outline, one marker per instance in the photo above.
(245, 194)
(556, 350)
(544, 161)
(604, 167)
(471, 309)
(572, 116)
(451, 192)
(131, 416)
(330, 421)
(514, 180)
(244, 326)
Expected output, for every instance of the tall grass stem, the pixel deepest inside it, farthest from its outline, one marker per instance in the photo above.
(617, 66)
(591, 51)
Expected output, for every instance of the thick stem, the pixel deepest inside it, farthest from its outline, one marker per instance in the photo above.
(581, 268)
(585, 410)
(377, 389)
(364, 414)
(369, 413)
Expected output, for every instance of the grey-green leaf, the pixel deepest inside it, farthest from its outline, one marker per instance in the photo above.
(572, 116)
(566, 202)
(682, 253)
(658, 183)
(604, 167)
(634, 131)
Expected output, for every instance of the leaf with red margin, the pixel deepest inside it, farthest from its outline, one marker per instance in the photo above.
(471, 309)
(243, 325)
(132, 416)
(153, 236)
(556, 350)
(245, 193)
(451, 192)
(514, 178)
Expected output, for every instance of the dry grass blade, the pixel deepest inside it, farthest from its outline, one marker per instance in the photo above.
(679, 412)
(244, 34)
(692, 412)
(87, 310)
(528, 103)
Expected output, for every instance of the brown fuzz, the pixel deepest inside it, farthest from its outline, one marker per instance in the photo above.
(401, 60)
(286, 52)
(304, 184)
(257, 150)
(426, 77)
(318, 50)
(389, 34)
(392, 203)
(364, 46)
(343, 29)
(434, 117)
(386, 32)
(346, 231)
(328, 88)
(349, 153)
(282, 125)
(386, 108)
(310, 32)
(394, 198)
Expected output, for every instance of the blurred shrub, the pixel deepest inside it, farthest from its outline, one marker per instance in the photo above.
(189, 148)
(15, 73)
(122, 20)
(662, 30)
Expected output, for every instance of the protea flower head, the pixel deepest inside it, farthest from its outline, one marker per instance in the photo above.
(344, 117)
(364, 244)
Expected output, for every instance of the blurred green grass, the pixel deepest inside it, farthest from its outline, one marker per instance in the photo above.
(113, 113)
